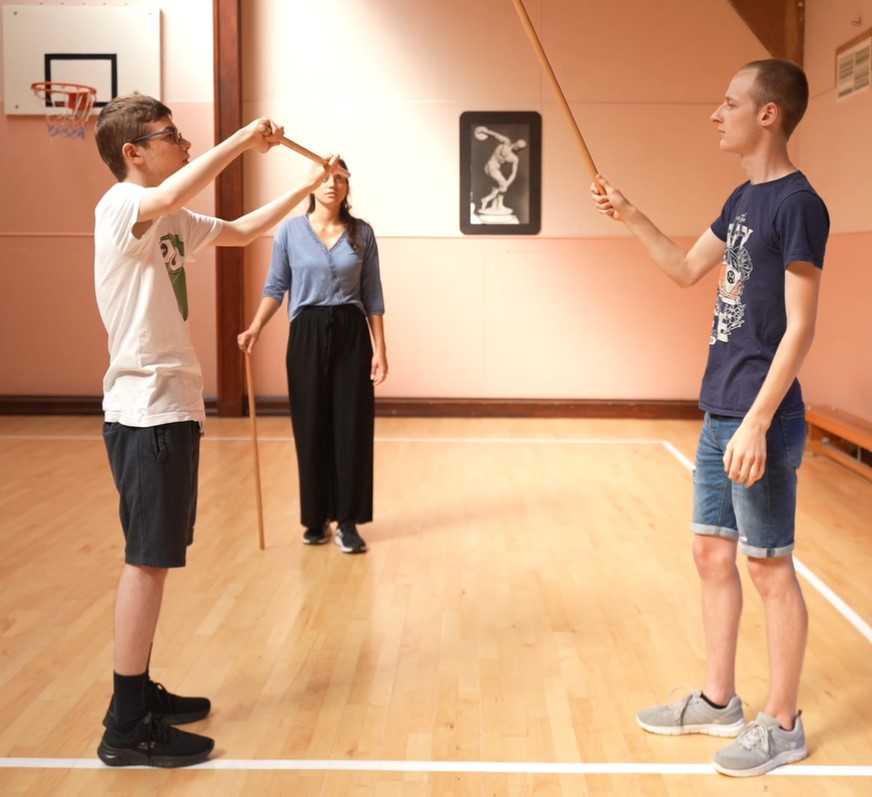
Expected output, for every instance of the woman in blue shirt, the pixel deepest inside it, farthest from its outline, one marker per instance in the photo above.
(327, 263)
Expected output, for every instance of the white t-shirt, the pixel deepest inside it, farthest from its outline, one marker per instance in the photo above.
(154, 375)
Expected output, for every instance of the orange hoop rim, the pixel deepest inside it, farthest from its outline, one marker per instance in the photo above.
(67, 106)
(45, 84)
(45, 87)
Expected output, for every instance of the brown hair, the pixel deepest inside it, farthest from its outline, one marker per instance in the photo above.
(784, 83)
(121, 120)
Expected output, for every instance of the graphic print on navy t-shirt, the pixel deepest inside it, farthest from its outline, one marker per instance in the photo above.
(172, 249)
(736, 271)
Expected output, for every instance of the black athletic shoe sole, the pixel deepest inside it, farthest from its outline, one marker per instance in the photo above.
(123, 757)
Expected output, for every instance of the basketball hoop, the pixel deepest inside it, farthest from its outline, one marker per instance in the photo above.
(67, 107)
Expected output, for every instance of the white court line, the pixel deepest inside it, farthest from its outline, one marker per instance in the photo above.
(678, 455)
(834, 600)
(469, 767)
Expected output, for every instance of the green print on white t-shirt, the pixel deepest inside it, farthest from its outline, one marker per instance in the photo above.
(172, 248)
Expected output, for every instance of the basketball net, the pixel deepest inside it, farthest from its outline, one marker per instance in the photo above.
(67, 107)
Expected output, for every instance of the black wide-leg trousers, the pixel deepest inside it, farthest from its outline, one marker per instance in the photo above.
(329, 362)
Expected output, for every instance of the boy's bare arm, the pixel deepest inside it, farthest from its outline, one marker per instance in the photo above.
(245, 229)
(179, 188)
(683, 267)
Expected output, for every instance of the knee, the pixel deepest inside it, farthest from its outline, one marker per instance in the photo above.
(772, 577)
(714, 557)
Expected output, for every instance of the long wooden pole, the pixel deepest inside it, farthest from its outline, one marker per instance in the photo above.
(249, 378)
(549, 72)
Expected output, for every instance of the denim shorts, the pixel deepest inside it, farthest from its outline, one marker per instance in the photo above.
(155, 470)
(761, 517)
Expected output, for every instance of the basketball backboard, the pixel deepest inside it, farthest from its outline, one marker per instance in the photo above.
(116, 49)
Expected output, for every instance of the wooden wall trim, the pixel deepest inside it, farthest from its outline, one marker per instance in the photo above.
(404, 407)
(229, 204)
(514, 408)
(533, 408)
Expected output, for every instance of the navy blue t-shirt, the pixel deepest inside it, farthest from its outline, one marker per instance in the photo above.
(766, 227)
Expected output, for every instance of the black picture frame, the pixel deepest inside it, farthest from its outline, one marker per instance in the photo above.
(494, 198)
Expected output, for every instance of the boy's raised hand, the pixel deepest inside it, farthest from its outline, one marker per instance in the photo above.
(264, 134)
(612, 203)
(320, 172)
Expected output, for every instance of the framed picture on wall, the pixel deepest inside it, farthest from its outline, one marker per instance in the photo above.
(500, 172)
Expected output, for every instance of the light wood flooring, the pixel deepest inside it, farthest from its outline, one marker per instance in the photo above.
(528, 588)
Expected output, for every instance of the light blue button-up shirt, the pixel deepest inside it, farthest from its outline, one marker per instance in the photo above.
(315, 276)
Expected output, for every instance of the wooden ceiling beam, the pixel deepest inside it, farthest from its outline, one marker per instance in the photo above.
(778, 24)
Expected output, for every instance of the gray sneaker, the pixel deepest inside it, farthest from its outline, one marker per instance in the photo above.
(762, 746)
(692, 714)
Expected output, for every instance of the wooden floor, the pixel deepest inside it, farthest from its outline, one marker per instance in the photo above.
(528, 588)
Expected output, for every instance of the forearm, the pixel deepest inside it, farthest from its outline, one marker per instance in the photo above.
(182, 186)
(265, 311)
(785, 366)
(377, 330)
(667, 255)
(245, 229)
(379, 369)
(683, 267)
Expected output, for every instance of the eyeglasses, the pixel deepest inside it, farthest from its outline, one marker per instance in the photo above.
(173, 132)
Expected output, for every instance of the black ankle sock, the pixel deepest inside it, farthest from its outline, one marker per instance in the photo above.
(128, 702)
(711, 702)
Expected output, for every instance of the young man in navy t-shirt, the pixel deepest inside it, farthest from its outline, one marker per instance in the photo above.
(769, 243)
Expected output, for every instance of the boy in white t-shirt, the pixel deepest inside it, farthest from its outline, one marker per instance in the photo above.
(153, 389)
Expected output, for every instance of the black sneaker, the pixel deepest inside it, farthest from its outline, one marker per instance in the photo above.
(317, 536)
(153, 743)
(349, 540)
(169, 708)
(174, 709)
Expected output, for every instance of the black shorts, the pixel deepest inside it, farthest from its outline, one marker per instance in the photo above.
(155, 470)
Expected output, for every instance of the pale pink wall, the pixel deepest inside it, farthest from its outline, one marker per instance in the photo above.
(52, 340)
(573, 312)
(833, 147)
(838, 371)
(525, 319)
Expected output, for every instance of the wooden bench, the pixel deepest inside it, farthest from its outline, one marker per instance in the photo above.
(841, 436)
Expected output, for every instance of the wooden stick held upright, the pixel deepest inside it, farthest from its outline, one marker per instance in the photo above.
(543, 59)
(249, 378)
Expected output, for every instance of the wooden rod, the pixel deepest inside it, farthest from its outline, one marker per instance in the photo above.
(311, 155)
(543, 59)
(249, 378)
